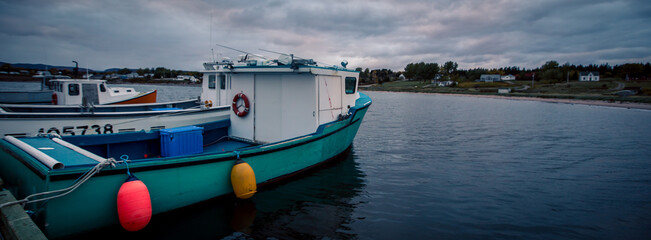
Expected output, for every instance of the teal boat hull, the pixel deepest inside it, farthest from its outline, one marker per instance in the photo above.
(173, 182)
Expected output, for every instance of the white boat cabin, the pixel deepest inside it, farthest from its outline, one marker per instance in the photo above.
(76, 91)
(272, 102)
(213, 89)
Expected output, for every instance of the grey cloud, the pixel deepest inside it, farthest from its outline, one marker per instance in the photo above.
(376, 34)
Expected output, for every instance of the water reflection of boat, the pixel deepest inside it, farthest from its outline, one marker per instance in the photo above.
(296, 116)
(317, 206)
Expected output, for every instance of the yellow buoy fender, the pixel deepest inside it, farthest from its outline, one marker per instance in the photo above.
(243, 179)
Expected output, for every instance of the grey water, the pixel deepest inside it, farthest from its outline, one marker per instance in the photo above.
(430, 166)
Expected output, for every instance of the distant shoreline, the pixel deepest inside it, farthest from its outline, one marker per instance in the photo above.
(618, 104)
(115, 81)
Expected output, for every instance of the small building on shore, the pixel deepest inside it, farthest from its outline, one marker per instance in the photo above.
(508, 77)
(589, 76)
(490, 78)
(503, 90)
(186, 77)
(133, 75)
(445, 83)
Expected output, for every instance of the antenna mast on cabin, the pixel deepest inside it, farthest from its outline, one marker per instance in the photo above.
(227, 47)
(275, 52)
(212, 51)
(293, 56)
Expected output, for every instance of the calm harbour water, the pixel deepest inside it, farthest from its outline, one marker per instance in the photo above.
(446, 167)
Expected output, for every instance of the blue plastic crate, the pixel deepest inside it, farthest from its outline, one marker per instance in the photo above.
(181, 141)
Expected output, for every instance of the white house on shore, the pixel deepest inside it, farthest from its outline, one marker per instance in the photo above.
(445, 83)
(508, 77)
(589, 76)
(503, 90)
(133, 75)
(186, 77)
(490, 78)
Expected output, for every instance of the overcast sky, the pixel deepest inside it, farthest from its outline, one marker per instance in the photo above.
(370, 34)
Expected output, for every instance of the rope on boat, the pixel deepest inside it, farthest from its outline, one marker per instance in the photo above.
(216, 141)
(62, 192)
(125, 159)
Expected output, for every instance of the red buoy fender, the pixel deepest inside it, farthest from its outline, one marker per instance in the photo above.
(55, 100)
(134, 205)
(236, 109)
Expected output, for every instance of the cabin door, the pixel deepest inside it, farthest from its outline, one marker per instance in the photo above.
(89, 92)
(221, 94)
(329, 98)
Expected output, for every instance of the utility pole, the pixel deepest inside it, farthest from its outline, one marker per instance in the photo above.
(532, 78)
(568, 77)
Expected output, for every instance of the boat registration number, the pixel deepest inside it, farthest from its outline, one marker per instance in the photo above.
(81, 130)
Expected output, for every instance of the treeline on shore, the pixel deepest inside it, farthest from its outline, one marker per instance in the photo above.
(142, 74)
(551, 71)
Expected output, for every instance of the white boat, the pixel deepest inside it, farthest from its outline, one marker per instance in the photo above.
(77, 91)
(85, 107)
(31, 120)
(86, 91)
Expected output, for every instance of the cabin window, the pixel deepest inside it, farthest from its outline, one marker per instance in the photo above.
(350, 85)
(128, 90)
(222, 82)
(211, 81)
(73, 89)
(102, 88)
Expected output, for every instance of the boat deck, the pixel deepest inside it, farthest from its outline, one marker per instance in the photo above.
(72, 159)
(225, 146)
(57, 151)
(136, 146)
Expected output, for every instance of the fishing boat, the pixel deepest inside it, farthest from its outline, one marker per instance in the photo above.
(31, 120)
(77, 92)
(285, 116)
(87, 91)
